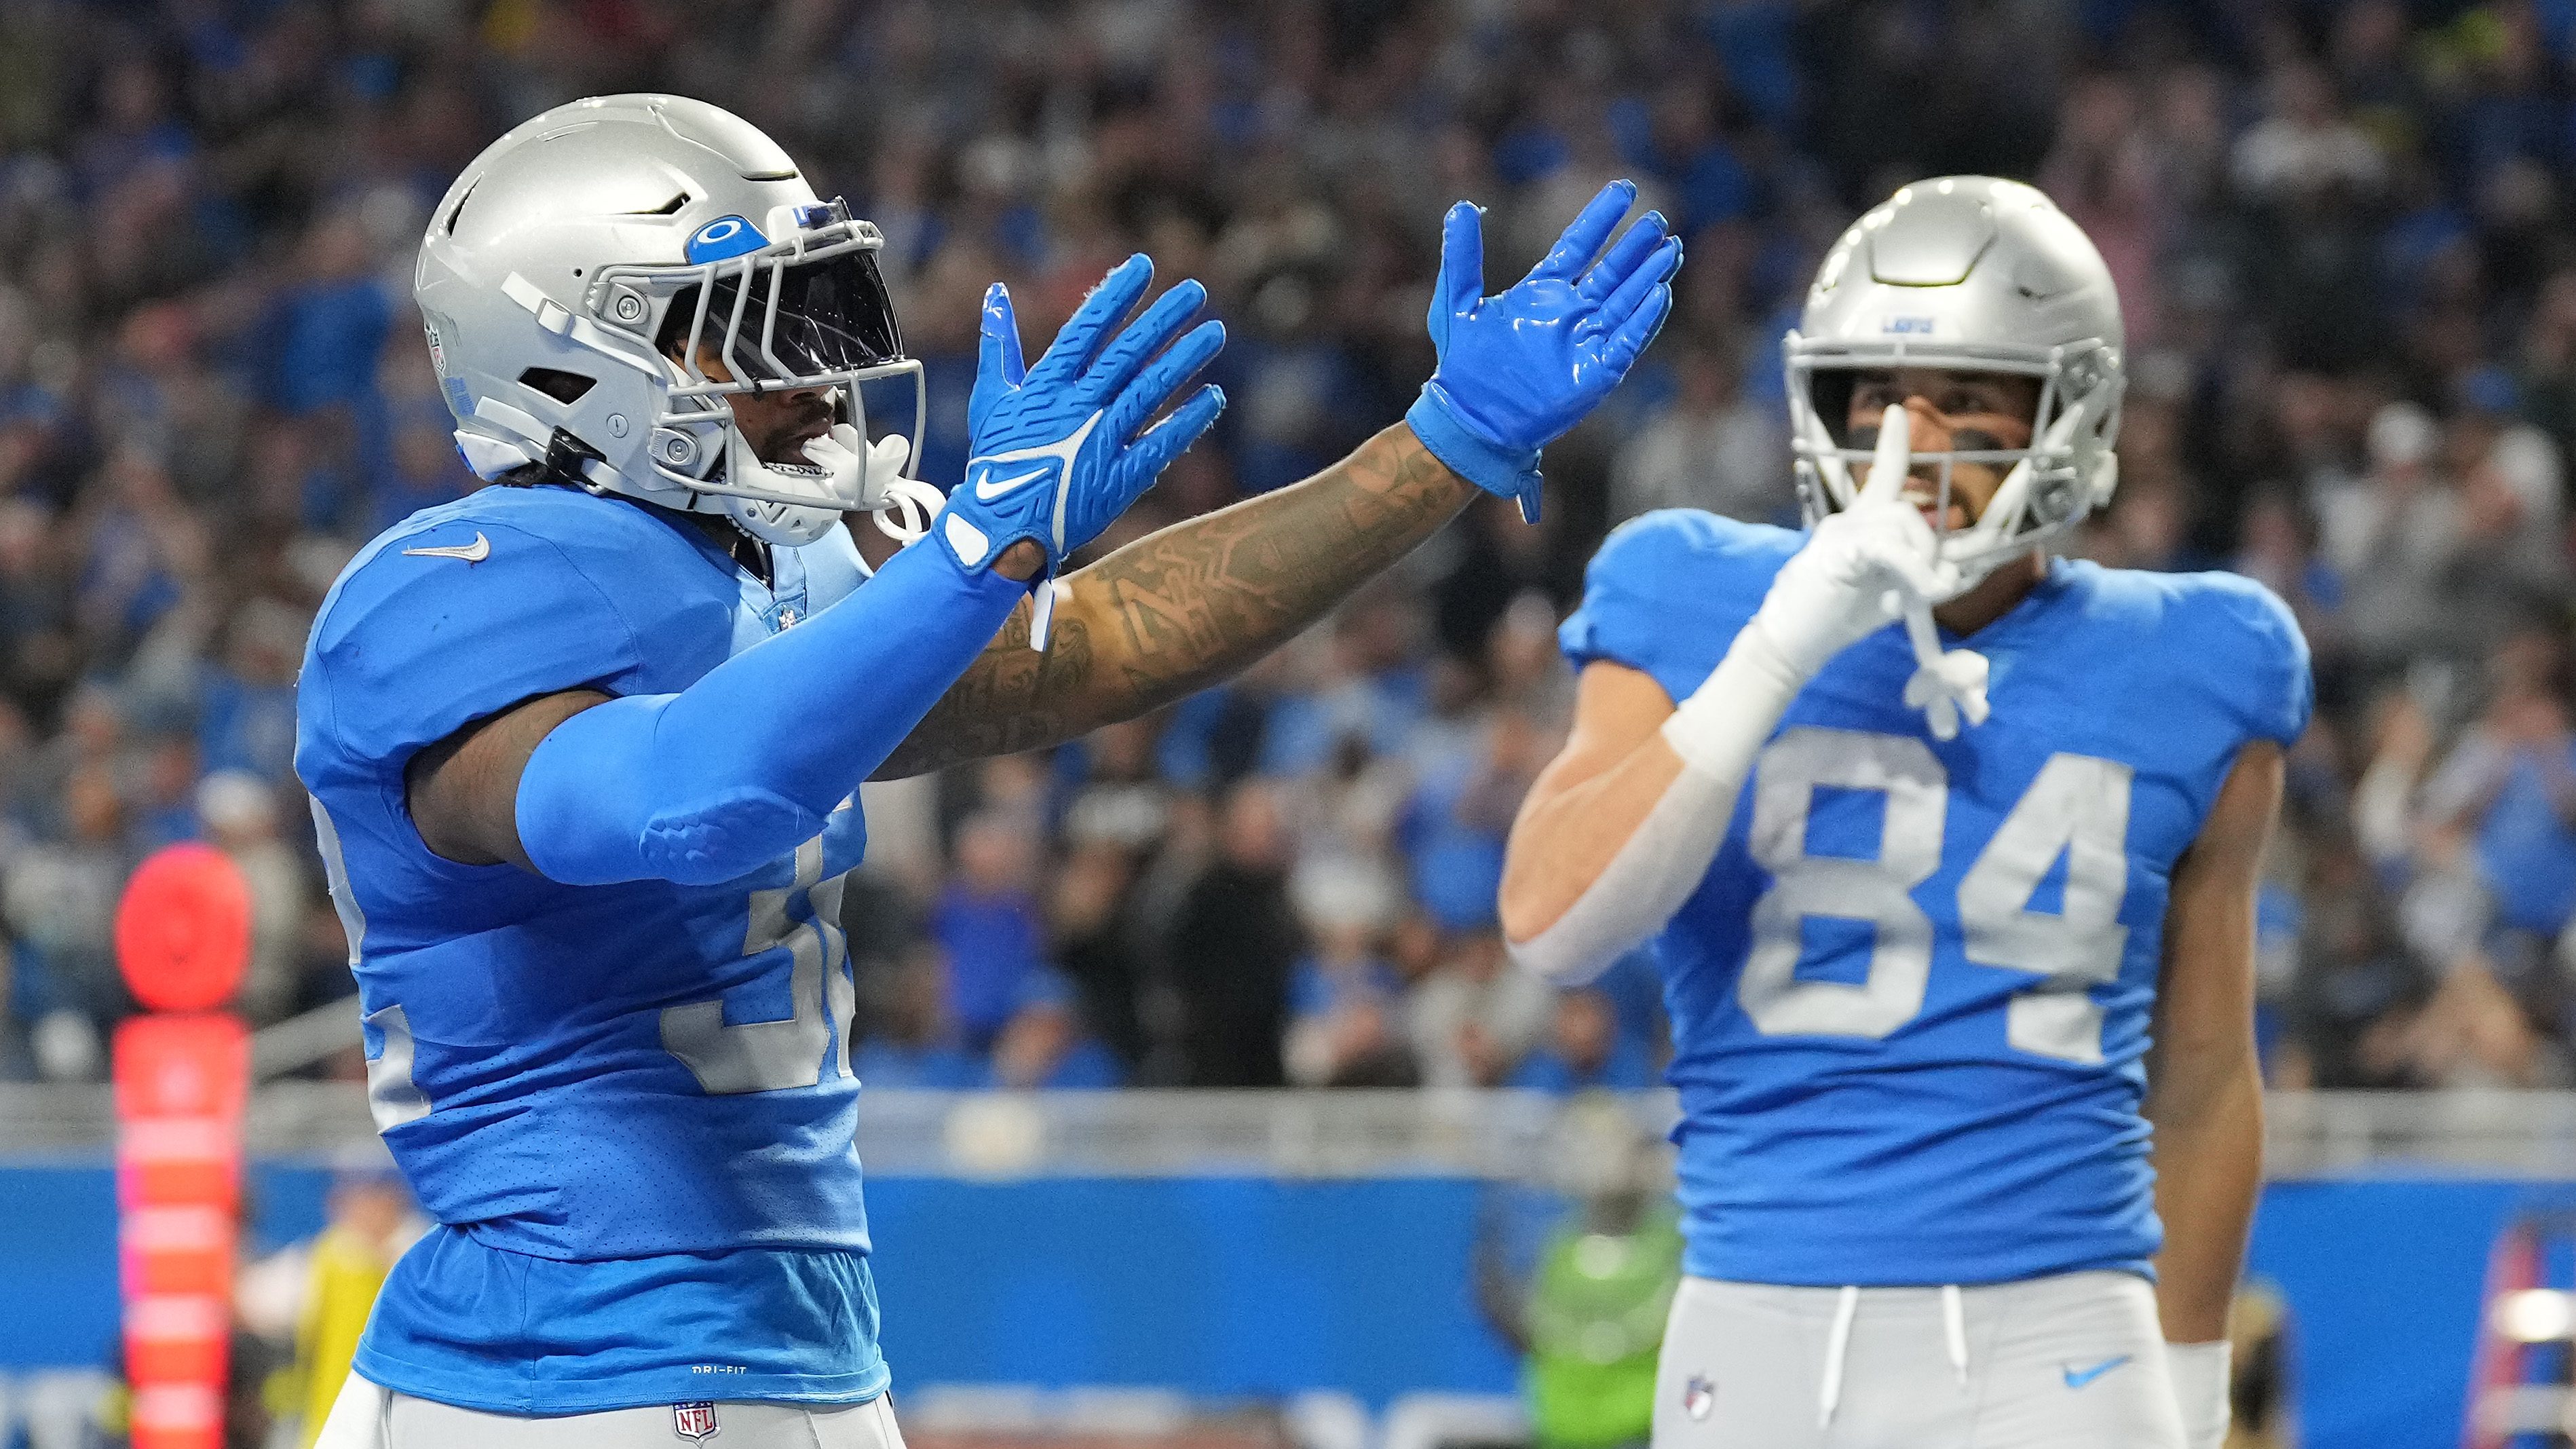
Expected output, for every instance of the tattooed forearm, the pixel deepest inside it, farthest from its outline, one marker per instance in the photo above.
(1179, 610)
(1012, 698)
(1197, 602)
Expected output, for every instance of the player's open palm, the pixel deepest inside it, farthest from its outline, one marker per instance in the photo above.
(1519, 369)
(1862, 568)
(1060, 449)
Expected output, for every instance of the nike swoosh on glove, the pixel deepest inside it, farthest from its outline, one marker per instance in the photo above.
(1061, 449)
(1516, 371)
(1862, 567)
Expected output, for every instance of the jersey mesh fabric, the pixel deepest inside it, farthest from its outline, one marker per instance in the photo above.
(543, 1120)
(1875, 1135)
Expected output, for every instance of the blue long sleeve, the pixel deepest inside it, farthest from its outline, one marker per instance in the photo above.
(707, 784)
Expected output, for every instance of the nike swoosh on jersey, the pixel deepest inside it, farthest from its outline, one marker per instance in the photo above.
(989, 488)
(475, 552)
(2077, 1378)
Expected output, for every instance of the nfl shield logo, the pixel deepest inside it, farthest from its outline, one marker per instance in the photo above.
(1698, 1396)
(694, 1422)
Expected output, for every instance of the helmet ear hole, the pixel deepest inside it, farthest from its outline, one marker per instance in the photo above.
(563, 387)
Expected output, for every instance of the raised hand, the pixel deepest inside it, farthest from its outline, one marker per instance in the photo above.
(1061, 449)
(1862, 567)
(1516, 371)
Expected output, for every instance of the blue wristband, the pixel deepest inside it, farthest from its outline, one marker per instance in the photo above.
(1498, 468)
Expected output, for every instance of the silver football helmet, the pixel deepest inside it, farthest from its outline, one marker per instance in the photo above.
(579, 270)
(1978, 275)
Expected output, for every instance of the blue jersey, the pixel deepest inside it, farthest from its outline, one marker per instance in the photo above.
(1910, 1000)
(630, 1107)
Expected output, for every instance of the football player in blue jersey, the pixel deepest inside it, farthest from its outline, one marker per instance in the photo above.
(1948, 852)
(583, 747)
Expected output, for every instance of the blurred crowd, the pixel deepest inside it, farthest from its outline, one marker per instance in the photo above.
(2338, 229)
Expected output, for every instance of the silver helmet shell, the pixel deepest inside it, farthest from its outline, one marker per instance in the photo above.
(554, 262)
(1974, 274)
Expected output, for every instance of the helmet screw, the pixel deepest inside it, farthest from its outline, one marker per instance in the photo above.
(676, 448)
(628, 307)
(617, 425)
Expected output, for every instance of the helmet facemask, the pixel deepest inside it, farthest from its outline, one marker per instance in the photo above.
(2048, 487)
(806, 313)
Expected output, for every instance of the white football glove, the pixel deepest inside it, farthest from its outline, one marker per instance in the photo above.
(1862, 567)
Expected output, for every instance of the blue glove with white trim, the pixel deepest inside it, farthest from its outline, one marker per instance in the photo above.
(1518, 370)
(1061, 449)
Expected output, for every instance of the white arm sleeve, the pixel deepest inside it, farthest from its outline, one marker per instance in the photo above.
(1716, 732)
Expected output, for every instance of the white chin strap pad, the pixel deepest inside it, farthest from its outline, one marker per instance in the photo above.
(901, 506)
(831, 478)
(491, 457)
(842, 474)
(858, 473)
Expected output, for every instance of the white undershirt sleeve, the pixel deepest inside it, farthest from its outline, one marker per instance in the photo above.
(1716, 731)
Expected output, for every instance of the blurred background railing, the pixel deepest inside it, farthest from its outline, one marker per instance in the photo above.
(1498, 1135)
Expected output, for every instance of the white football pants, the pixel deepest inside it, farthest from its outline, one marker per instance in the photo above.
(2075, 1361)
(370, 1416)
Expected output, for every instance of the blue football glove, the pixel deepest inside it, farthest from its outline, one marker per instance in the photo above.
(1516, 371)
(1057, 448)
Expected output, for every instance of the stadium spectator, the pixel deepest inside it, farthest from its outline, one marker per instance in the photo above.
(988, 925)
(371, 1221)
(1344, 1000)
(1477, 1014)
(2509, 789)
(17, 1060)
(1233, 945)
(61, 901)
(1711, 447)
(2304, 145)
(1043, 1046)
(2351, 1008)
(2392, 535)
(1584, 1051)
(910, 1044)
(1114, 830)
(238, 812)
